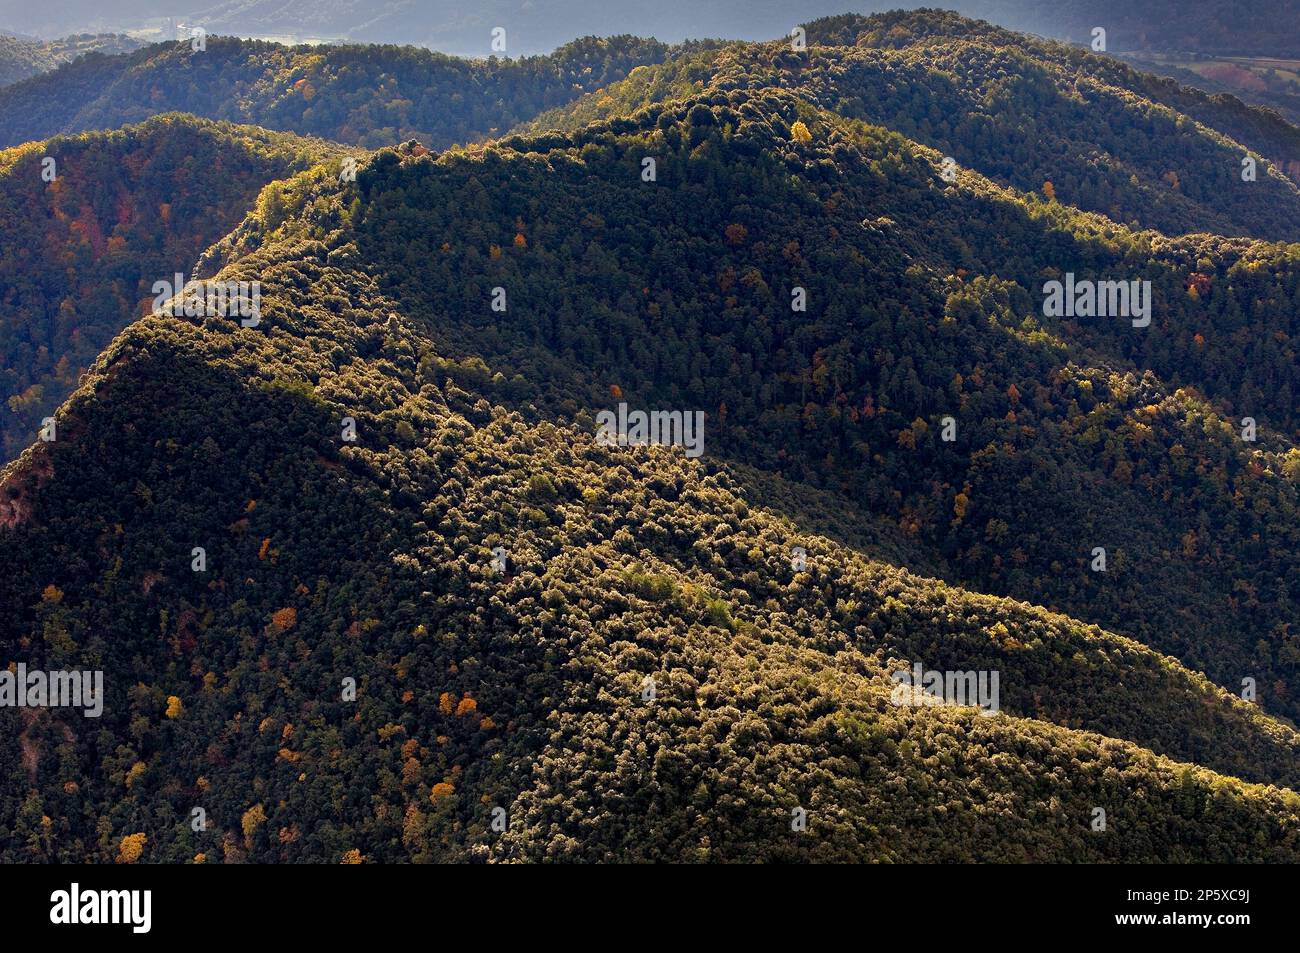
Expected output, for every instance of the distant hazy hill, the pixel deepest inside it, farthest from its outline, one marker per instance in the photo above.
(1247, 27)
(21, 58)
(1261, 81)
(363, 95)
(79, 255)
(474, 612)
(1252, 27)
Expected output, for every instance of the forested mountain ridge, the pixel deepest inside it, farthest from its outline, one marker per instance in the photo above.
(1261, 129)
(359, 95)
(90, 222)
(650, 674)
(852, 399)
(1032, 114)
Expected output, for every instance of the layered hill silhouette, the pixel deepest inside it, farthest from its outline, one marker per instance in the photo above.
(21, 58)
(1248, 27)
(436, 618)
(360, 95)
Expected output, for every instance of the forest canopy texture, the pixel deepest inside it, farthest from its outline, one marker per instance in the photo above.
(436, 619)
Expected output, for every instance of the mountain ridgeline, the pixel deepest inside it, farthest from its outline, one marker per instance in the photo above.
(1138, 149)
(369, 96)
(1246, 27)
(365, 584)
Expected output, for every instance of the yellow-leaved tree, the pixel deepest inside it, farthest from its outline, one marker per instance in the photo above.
(130, 848)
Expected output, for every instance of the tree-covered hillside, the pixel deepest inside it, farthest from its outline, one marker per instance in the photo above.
(83, 239)
(928, 304)
(1039, 116)
(359, 95)
(434, 618)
